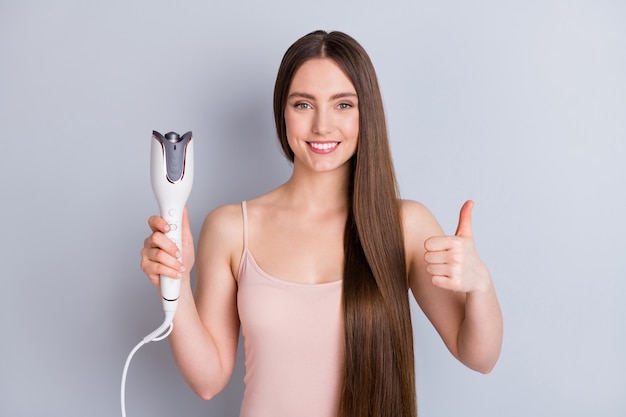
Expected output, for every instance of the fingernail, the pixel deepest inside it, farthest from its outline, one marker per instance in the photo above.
(182, 268)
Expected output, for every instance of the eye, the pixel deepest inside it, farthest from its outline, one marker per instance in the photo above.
(344, 106)
(302, 106)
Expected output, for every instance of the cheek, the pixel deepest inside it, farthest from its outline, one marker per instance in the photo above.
(292, 130)
(292, 124)
(351, 127)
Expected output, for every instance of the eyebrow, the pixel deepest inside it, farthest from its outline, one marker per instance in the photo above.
(333, 97)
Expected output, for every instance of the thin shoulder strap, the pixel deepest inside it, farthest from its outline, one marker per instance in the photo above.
(244, 210)
(242, 262)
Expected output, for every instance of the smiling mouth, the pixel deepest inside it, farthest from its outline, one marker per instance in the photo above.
(323, 146)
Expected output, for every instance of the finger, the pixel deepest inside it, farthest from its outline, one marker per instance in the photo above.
(158, 224)
(464, 229)
(156, 262)
(436, 257)
(157, 271)
(168, 261)
(160, 241)
(436, 243)
(443, 243)
(186, 230)
(444, 270)
(150, 269)
(444, 283)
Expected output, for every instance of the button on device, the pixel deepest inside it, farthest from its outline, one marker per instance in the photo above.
(172, 212)
(173, 226)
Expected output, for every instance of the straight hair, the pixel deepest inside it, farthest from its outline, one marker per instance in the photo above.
(378, 377)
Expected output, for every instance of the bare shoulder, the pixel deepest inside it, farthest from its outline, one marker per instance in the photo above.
(224, 220)
(221, 238)
(417, 220)
(413, 210)
(418, 224)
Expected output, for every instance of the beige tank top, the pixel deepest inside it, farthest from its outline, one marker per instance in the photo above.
(293, 339)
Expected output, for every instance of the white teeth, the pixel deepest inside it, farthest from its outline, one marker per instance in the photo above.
(324, 146)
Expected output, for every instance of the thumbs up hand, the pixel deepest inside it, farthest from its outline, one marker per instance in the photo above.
(453, 261)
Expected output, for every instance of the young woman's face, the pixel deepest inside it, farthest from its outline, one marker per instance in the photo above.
(322, 116)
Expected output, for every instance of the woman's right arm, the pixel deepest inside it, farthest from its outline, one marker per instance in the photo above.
(206, 327)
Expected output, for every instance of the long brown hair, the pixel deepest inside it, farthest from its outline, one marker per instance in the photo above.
(378, 370)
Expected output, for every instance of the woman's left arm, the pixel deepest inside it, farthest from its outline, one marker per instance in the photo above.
(453, 286)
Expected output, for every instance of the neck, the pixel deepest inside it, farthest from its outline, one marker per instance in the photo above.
(317, 191)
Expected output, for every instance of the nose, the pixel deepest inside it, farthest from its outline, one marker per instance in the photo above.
(322, 123)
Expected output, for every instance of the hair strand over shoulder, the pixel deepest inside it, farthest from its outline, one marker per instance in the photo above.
(379, 370)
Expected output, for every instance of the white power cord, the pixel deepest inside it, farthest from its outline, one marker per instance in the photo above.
(162, 332)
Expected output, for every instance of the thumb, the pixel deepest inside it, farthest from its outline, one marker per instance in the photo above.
(464, 228)
(187, 243)
(186, 231)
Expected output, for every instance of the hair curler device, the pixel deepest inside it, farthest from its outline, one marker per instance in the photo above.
(171, 173)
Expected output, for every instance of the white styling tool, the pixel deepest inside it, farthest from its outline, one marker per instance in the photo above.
(171, 174)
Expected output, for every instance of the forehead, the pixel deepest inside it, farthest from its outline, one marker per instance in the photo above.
(321, 75)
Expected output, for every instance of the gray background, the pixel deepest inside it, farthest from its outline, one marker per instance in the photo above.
(519, 105)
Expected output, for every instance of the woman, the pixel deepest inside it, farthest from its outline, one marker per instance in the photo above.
(317, 271)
